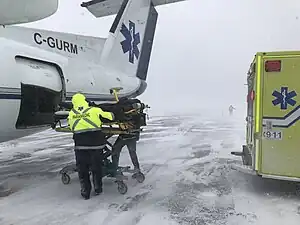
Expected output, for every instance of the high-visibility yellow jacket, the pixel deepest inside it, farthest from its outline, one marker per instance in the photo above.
(83, 118)
(84, 121)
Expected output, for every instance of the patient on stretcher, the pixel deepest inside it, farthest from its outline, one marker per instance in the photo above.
(126, 111)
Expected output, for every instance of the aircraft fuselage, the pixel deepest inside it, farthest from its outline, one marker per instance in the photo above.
(34, 81)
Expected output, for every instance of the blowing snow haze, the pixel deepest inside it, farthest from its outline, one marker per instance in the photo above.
(200, 58)
(202, 49)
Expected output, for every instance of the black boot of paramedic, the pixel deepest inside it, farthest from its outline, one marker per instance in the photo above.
(96, 167)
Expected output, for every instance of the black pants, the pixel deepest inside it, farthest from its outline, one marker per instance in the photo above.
(117, 148)
(86, 161)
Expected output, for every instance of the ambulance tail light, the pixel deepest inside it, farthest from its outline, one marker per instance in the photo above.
(251, 96)
(273, 66)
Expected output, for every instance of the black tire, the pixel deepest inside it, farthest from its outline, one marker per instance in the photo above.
(139, 177)
(65, 178)
(122, 188)
(246, 158)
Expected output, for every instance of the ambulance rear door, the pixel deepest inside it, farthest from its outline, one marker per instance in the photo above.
(250, 105)
(280, 145)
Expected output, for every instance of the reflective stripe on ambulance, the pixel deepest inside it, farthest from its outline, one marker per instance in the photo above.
(283, 122)
(258, 110)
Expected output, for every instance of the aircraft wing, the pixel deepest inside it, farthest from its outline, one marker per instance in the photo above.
(101, 8)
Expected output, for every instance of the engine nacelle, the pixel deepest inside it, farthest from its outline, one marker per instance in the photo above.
(26, 11)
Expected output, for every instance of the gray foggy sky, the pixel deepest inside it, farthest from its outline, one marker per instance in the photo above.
(202, 49)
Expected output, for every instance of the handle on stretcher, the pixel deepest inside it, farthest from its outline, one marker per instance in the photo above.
(115, 92)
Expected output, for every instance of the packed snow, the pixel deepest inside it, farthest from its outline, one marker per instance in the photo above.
(189, 180)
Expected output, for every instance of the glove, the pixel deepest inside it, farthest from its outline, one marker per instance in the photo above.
(92, 104)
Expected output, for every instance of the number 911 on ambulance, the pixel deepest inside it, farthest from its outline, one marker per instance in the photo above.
(272, 148)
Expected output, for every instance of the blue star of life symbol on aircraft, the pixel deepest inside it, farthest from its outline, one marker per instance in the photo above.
(284, 98)
(132, 39)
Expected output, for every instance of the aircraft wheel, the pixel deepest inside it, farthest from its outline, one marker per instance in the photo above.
(65, 178)
(122, 188)
(140, 177)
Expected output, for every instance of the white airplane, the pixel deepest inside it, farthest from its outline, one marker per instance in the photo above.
(41, 69)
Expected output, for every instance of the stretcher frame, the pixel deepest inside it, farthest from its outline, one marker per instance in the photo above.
(109, 129)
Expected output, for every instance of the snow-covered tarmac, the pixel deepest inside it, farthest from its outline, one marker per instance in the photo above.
(189, 180)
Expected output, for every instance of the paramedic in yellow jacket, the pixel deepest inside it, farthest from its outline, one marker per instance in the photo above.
(85, 123)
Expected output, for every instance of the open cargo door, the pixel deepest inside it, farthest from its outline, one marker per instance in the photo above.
(41, 92)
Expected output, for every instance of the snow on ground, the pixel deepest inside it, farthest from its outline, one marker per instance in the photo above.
(189, 180)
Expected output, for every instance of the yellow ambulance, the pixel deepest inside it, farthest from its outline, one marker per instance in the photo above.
(272, 148)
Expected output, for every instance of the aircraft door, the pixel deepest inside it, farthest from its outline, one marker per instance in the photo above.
(42, 90)
(250, 108)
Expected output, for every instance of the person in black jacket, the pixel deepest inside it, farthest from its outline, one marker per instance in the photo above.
(129, 140)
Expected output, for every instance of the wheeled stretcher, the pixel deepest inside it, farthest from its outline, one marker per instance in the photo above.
(129, 119)
(107, 169)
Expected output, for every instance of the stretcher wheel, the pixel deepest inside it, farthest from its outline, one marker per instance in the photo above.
(140, 177)
(122, 188)
(65, 178)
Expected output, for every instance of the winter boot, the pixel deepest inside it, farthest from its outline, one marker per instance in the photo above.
(97, 185)
(85, 195)
(85, 192)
